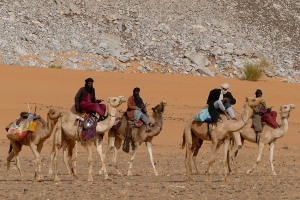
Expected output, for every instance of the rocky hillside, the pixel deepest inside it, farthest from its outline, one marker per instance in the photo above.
(216, 37)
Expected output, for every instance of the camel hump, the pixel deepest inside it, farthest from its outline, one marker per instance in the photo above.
(73, 110)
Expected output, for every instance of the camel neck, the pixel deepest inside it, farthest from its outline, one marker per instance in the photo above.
(245, 116)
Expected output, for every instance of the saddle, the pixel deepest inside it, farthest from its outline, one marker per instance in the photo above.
(86, 124)
(20, 127)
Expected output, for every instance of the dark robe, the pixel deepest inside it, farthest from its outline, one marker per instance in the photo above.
(213, 96)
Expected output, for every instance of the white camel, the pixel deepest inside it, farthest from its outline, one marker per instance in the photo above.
(66, 132)
(269, 136)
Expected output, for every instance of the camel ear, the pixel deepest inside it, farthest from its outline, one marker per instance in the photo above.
(154, 109)
(292, 106)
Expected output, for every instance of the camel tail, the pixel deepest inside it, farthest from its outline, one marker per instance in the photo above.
(183, 141)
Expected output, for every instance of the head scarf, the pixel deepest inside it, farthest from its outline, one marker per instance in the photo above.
(87, 88)
(258, 92)
(137, 99)
(224, 88)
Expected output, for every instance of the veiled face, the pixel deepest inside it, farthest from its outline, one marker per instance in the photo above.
(90, 84)
(224, 90)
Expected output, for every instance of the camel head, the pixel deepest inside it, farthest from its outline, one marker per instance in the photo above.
(53, 114)
(160, 107)
(253, 102)
(285, 110)
(116, 101)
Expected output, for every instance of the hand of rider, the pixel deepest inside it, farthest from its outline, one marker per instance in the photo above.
(99, 100)
(225, 99)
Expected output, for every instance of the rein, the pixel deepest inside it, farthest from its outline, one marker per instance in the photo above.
(243, 119)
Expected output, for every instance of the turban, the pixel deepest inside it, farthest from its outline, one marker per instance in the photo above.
(89, 80)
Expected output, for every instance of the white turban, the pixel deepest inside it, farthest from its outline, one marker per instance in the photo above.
(225, 85)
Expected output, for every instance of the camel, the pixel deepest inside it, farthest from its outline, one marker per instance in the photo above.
(269, 135)
(139, 135)
(67, 134)
(35, 141)
(196, 132)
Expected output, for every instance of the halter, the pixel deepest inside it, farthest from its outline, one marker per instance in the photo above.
(111, 115)
(120, 102)
(245, 122)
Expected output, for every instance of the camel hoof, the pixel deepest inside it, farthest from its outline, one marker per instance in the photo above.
(56, 179)
(50, 173)
(75, 176)
(156, 174)
(189, 179)
(274, 174)
(38, 178)
(249, 171)
(119, 174)
(129, 174)
(90, 180)
(101, 172)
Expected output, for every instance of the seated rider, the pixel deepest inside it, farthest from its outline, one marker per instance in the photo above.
(259, 112)
(220, 99)
(136, 109)
(85, 100)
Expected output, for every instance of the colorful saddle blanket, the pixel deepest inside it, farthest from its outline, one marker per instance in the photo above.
(203, 116)
(19, 128)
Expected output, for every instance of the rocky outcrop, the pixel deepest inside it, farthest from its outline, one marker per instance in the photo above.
(177, 36)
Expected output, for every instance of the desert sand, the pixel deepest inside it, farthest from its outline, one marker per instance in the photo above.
(185, 95)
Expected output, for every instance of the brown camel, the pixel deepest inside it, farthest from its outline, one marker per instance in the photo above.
(269, 135)
(66, 134)
(196, 132)
(139, 135)
(35, 141)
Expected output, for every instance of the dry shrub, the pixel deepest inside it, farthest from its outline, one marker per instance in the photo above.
(254, 72)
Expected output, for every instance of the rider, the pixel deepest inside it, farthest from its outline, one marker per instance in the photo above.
(258, 112)
(136, 109)
(85, 100)
(220, 99)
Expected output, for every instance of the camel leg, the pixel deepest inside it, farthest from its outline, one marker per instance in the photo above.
(102, 158)
(129, 173)
(37, 161)
(16, 148)
(66, 156)
(149, 146)
(11, 156)
(55, 155)
(232, 155)
(195, 153)
(39, 149)
(225, 158)
(260, 150)
(187, 137)
(101, 171)
(51, 159)
(214, 149)
(114, 161)
(111, 147)
(74, 158)
(272, 146)
(90, 162)
(68, 150)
